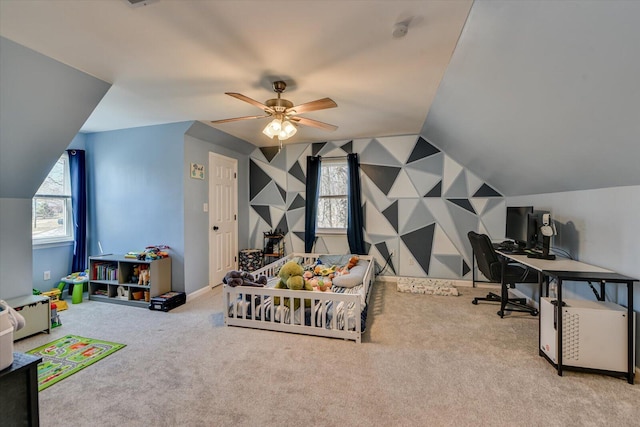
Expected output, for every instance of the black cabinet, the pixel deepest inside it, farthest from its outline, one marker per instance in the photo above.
(19, 391)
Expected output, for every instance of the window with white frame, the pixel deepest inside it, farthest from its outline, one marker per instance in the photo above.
(51, 218)
(332, 199)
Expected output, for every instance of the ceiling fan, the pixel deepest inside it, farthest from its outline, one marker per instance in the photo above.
(284, 112)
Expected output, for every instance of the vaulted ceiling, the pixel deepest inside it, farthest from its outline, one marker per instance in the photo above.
(531, 96)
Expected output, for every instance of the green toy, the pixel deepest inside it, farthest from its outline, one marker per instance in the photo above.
(291, 278)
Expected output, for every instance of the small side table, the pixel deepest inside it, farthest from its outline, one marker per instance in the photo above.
(76, 286)
(19, 390)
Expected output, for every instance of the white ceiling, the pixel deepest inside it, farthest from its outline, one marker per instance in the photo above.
(532, 96)
(172, 61)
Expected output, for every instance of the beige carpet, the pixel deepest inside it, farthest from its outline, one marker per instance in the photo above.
(425, 361)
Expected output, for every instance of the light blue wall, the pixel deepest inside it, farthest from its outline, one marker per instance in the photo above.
(199, 142)
(136, 193)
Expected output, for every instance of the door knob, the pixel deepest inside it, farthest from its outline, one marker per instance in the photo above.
(216, 228)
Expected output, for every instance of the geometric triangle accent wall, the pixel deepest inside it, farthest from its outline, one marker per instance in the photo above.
(418, 210)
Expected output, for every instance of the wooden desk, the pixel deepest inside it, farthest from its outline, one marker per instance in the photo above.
(19, 391)
(563, 269)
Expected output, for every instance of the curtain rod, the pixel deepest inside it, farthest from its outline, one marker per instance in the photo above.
(334, 158)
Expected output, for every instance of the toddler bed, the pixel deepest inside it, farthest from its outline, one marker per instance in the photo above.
(339, 313)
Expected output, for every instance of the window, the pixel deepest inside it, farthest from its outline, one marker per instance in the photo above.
(332, 200)
(51, 209)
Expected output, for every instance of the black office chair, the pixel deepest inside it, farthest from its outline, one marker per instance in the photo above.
(491, 266)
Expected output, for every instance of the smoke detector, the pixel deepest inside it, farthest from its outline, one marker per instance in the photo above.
(138, 3)
(400, 30)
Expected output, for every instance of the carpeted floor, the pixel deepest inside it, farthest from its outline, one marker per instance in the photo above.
(425, 361)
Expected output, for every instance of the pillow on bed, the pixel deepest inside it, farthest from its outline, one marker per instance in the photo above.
(338, 260)
(354, 278)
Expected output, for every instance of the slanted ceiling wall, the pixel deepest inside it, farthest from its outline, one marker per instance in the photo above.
(419, 203)
(542, 96)
(43, 104)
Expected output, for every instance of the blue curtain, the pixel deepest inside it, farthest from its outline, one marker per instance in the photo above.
(311, 205)
(79, 205)
(355, 220)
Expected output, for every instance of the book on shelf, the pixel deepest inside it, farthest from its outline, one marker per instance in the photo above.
(105, 271)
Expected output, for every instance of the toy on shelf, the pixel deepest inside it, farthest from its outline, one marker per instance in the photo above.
(150, 253)
(145, 277)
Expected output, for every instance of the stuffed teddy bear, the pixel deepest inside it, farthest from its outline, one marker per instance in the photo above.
(353, 261)
(242, 278)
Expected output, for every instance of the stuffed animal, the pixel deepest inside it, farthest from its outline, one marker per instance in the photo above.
(323, 285)
(324, 270)
(144, 277)
(242, 278)
(291, 277)
(353, 261)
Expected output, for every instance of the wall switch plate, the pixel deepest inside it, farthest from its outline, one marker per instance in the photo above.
(205, 207)
(47, 275)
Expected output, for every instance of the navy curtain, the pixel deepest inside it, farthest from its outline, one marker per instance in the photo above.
(355, 221)
(311, 206)
(79, 205)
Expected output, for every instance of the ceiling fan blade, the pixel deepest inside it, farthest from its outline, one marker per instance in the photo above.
(318, 104)
(313, 123)
(251, 101)
(235, 119)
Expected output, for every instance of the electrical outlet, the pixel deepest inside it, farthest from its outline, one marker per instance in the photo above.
(47, 275)
(411, 261)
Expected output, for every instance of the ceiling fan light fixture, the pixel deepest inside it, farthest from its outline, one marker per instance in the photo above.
(287, 131)
(289, 128)
(273, 128)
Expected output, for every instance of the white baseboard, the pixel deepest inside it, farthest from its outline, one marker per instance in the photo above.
(198, 293)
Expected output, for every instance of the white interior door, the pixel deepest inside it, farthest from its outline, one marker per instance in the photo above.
(223, 218)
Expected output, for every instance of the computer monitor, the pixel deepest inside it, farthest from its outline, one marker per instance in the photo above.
(518, 228)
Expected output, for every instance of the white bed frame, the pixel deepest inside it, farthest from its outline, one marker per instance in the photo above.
(333, 330)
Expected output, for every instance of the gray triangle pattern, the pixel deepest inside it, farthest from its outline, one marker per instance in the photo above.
(398, 224)
(382, 176)
(391, 213)
(458, 188)
(270, 195)
(376, 154)
(432, 164)
(453, 262)
(416, 218)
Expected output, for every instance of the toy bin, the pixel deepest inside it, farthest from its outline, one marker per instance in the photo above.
(167, 301)
(250, 260)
